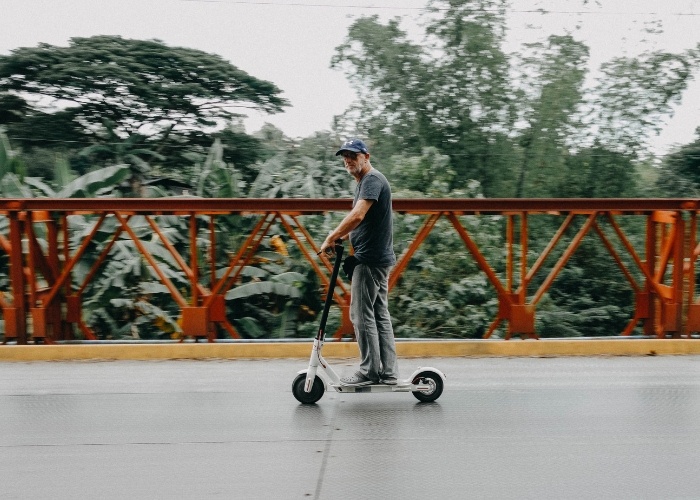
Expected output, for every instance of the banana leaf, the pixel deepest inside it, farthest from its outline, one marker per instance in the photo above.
(263, 287)
(12, 187)
(251, 327)
(37, 183)
(290, 277)
(87, 185)
(153, 287)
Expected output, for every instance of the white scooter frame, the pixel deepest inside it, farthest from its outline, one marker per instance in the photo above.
(425, 383)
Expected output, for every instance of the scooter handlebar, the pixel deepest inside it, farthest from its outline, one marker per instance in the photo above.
(329, 250)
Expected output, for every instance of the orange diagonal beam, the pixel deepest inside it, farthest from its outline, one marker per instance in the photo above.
(564, 258)
(169, 285)
(615, 256)
(324, 279)
(5, 244)
(636, 258)
(548, 249)
(315, 250)
(101, 258)
(311, 242)
(696, 251)
(249, 254)
(493, 327)
(630, 327)
(231, 330)
(69, 267)
(234, 261)
(176, 255)
(420, 237)
(3, 302)
(480, 260)
(38, 258)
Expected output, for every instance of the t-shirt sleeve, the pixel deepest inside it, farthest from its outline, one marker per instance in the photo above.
(370, 188)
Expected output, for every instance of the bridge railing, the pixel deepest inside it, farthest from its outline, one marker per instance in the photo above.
(45, 293)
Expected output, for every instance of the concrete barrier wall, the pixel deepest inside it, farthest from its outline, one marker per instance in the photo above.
(613, 347)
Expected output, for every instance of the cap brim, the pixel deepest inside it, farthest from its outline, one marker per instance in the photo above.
(348, 149)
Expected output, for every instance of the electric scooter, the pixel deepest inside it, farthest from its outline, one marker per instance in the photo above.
(425, 383)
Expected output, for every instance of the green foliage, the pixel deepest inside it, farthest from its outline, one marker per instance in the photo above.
(635, 94)
(597, 173)
(10, 162)
(680, 171)
(127, 151)
(215, 178)
(427, 174)
(12, 108)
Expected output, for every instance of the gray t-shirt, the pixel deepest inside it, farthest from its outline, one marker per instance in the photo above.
(373, 239)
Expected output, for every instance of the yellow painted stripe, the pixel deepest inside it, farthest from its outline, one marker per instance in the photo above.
(349, 349)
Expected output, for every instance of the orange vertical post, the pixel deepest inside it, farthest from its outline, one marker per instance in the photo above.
(67, 327)
(650, 253)
(212, 250)
(523, 256)
(15, 318)
(677, 284)
(193, 258)
(691, 272)
(54, 308)
(509, 252)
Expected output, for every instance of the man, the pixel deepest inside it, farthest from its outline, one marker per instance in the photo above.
(369, 227)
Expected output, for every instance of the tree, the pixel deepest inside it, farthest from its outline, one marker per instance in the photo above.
(12, 108)
(635, 94)
(452, 92)
(141, 86)
(680, 171)
(553, 77)
(509, 121)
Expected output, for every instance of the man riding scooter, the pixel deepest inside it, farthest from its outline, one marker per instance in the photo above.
(369, 227)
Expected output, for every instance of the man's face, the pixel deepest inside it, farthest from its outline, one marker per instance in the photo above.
(354, 162)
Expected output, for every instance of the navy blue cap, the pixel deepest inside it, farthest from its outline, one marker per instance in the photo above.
(355, 145)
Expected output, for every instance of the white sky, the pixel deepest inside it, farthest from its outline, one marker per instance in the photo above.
(291, 45)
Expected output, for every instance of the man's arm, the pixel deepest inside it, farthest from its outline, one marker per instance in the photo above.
(350, 222)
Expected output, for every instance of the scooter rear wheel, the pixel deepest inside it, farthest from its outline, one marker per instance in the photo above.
(434, 381)
(307, 398)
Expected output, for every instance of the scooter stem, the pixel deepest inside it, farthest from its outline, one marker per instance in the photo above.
(320, 336)
(331, 288)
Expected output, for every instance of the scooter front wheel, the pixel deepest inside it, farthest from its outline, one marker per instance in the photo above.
(434, 381)
(307, 398)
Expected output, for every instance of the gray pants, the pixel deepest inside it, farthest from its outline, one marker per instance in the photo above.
(369, 313)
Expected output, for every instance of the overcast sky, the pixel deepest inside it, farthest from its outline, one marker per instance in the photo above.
(291, 42)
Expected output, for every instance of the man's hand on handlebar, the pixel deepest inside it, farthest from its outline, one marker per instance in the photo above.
(328, 246)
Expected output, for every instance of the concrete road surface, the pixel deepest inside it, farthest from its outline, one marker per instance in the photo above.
(519, 428)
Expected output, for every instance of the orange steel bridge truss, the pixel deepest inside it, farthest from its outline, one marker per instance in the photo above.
(43, 286)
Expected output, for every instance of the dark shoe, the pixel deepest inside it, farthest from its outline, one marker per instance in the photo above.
(389, 381)
(356, 380)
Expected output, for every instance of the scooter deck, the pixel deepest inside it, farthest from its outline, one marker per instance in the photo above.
(407, 387)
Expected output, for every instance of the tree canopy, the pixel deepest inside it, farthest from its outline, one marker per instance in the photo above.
(142, 86)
